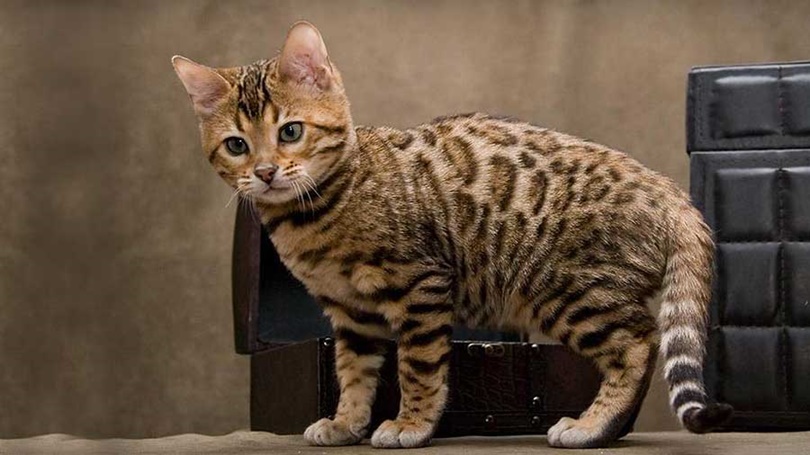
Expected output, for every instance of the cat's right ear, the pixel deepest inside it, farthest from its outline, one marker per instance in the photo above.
(206, 87)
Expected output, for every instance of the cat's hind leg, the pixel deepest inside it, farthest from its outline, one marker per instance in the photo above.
(624, 348)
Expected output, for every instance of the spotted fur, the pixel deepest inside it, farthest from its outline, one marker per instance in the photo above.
(469, 219)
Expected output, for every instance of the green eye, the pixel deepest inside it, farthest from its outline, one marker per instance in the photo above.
(236, 146)
(290, 132)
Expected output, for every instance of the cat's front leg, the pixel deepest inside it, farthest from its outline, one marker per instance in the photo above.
(359, 354)
(423, 352)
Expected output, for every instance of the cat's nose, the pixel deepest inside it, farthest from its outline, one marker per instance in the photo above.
(265, 172)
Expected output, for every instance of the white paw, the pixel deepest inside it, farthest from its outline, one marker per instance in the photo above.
(574, 434)
(327, 432)
(394, 434)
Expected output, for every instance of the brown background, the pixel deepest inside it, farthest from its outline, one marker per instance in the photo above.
(115, 236)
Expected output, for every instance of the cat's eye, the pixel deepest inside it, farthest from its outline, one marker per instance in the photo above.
(290, 132)
(236, 146)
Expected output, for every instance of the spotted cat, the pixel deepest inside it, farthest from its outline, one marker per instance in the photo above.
(469, 219)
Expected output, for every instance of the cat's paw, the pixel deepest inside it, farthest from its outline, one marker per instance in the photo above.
(398, 433)
(577, 434)
(326, 432)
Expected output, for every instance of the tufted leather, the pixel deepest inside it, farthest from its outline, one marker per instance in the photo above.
(748, 135)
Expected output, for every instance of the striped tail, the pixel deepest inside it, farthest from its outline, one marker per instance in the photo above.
(685, 296)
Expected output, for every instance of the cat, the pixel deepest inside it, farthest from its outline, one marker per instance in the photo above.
(469, 219)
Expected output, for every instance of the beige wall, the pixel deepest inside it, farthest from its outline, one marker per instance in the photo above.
(115, 239)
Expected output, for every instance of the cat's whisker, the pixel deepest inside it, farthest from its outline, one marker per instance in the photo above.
(297, 200)
(241, 191)
(233, 196)
(238, 192)
(298, 196)
(250, 206)
(312, 184)
(309, 184)
(304, 196)
(241, 204)
(305, 184)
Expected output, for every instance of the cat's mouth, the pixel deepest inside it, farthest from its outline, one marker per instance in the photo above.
(282, 189)
(274, 190)
(275, 185)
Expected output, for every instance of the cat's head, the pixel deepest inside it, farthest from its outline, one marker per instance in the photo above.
(275, 128)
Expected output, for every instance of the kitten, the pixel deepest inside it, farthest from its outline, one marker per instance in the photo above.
(468, 219)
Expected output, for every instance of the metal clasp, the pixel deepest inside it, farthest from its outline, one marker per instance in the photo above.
(494, 350)
(488, 349)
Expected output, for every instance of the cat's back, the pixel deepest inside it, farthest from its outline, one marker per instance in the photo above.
(486, 180)
(477, 172)
(517, 201)
(507, 166)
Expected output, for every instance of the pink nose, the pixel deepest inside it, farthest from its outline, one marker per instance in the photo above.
(265, 172)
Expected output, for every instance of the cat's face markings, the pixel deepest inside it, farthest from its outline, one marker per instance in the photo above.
(262, 155)
(289, 115)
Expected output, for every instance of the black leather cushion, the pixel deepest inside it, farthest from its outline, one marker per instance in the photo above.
(748, 108)
(749, 141)
(748, 283)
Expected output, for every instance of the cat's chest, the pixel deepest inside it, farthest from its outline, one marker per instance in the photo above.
(317, 268)
(326, 277)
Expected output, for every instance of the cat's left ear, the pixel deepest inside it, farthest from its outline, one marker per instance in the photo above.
(304, 59)
(206, 87)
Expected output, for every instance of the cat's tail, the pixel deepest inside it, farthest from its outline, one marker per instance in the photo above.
(685, 297)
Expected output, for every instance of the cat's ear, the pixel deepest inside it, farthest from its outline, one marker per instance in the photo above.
(206, 87)
(304, 59)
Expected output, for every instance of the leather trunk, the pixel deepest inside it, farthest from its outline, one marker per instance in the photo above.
(499, 388)
(748, 135)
